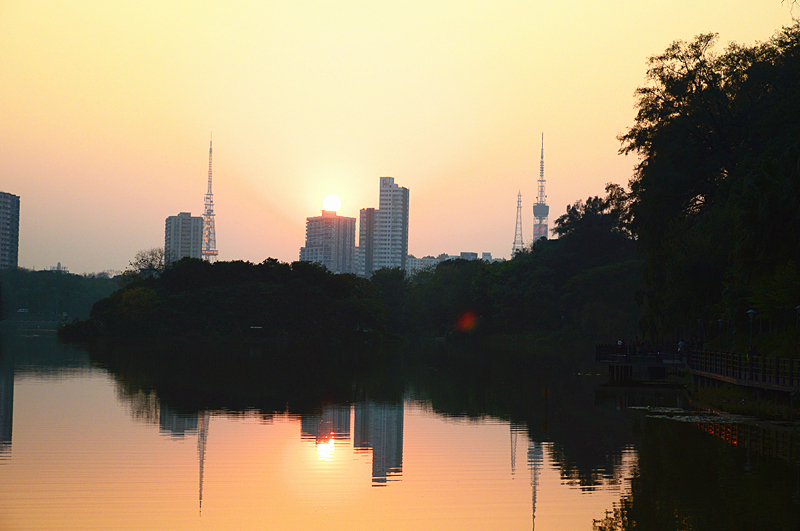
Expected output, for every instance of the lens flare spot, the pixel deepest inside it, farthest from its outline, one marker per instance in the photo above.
(466, 321)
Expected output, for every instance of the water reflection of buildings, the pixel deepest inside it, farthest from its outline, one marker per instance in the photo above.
(378, 428)
(332, 424)
(178, 425)
(6, 407)
(535, 461)
(29, 349)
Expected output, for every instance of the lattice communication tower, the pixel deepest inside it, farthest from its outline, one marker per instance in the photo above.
(518, 244)
(209, 251)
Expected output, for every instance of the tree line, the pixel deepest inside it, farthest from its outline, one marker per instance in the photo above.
(581, 281)
(713, 202)
(50, 295)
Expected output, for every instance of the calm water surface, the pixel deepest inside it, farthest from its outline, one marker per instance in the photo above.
(78, 450)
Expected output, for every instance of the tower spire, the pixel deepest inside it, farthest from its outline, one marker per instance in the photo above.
(540, 208)
(210, 151)
(209, 250)
(518, 244)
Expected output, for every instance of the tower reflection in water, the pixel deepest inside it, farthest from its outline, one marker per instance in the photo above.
(177, 425)
(377, 428)
(6, 407)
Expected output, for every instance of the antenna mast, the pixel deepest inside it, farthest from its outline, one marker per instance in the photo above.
(518, 244)
(540, 208)
(209, 251)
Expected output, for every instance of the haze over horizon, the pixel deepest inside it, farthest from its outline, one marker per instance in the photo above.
(108, 108)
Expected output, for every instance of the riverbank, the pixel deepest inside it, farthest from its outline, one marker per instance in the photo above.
(737, 400)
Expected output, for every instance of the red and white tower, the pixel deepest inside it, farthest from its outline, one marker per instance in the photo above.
(209, 250)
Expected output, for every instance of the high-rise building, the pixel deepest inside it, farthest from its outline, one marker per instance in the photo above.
(383, 233)
(9, 230)
(183, 236)
(330, 241)
(366, 241)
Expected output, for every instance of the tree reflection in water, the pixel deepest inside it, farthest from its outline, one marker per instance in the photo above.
(674, 476)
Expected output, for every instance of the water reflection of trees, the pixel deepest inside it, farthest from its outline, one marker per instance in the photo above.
(686, 479)
(142, 404)
(541, 390)
(589, 440)
(241, 377)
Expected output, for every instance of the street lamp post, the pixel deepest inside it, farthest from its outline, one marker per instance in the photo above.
(797, 309)
(720, 334)
(752, 314)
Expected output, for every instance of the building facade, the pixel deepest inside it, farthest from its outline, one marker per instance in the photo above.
(183, 237)
(330, 241)
(414, 265)
(9, 230)
(383, 233)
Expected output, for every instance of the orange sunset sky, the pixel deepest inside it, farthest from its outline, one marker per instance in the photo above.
(107, 108)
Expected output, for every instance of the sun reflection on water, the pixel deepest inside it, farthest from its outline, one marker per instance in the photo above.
(325, 449)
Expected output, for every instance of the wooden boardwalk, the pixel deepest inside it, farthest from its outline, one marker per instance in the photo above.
(779, 374)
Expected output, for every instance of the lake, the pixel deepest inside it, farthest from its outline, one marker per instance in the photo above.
(87, 445)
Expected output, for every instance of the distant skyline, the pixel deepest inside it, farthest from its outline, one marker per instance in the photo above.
(108, 107)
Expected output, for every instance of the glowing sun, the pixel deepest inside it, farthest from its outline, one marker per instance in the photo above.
(331, 203)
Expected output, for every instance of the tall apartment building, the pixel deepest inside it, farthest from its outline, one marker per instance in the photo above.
(383, 233)
(9, 230)
(183, 236)
(330, 241)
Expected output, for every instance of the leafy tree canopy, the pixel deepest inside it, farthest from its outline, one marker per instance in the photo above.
(713, 199)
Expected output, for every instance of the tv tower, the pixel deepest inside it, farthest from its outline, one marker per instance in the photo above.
(518, 244)
(209, 250)
(540, 208)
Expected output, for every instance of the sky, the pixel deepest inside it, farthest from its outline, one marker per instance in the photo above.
(108, 108)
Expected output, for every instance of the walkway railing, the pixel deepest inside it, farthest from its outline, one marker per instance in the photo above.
(758, 369)
(611, 353)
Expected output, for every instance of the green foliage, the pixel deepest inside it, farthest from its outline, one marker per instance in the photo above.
(584, 281)
(713, 200)
(146, 263)
(47, 295)
(299, 302)
(391, 287)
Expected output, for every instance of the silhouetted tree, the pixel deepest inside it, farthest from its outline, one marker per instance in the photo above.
(713, 199)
